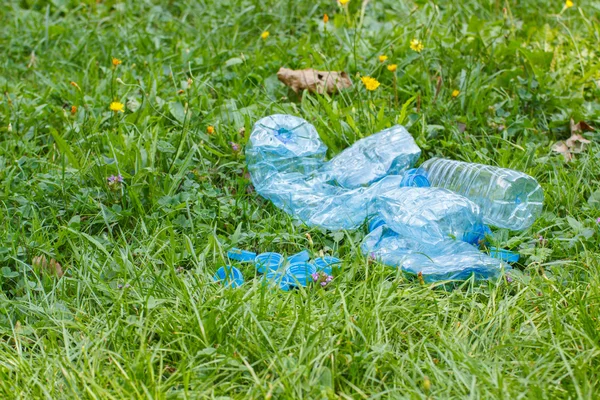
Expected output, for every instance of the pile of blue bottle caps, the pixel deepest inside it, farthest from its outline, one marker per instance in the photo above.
(431, 220)
(278, 271)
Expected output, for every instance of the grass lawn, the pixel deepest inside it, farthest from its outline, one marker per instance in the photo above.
(136, 313)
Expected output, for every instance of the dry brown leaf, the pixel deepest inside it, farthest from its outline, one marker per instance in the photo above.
(314, 81)
(581, 126)
(562, 148)
(576, 143)
(51, 267)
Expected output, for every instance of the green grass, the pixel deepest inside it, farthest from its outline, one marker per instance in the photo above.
(137, 315)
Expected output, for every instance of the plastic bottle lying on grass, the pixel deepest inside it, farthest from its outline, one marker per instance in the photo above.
(444, 260)
(432, 227)
(509, 199)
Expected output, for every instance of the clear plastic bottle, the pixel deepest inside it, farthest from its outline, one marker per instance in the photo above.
(388, 152)
(430, 215)
(445, 260)
(507, 198)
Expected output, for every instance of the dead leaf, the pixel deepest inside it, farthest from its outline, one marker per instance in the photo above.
(581, 126)
(562, 148)
(51, 267)
(314, 81)
(576, 143)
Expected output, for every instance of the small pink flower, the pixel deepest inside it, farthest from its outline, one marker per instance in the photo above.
(235, 147)
(598, 220)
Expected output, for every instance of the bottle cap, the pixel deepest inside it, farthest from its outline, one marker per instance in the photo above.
(327, 263)
(230, 276)
(477, 234)
(241, 255)
(415, 177)
(504, 255)
(268, 261)
(300, 274)
(304, 255)
(277, 279)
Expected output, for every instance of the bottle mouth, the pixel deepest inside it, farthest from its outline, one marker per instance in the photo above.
(415, 177)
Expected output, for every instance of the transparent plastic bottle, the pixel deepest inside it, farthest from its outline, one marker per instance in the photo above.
(508, 198)
(430, 215)
(388, 152)
(445, 260)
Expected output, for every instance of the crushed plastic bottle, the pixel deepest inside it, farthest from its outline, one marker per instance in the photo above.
(430, 229)
(286, 160)
(431, 215)
(508, 198)
(445, 260)
(367, 161)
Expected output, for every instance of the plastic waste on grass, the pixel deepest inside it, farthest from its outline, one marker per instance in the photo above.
(269, 261)
(431, 215)
(286, 160)
(508, 198)
(230, 276)
(300, 273)
(241, 255)
(277, 279)
(367, 161)
(326, 264)
(445, 260)
(299, 257)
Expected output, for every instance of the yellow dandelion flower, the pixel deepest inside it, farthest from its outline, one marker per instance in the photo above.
(264, 35)
(116, 61)
(416, 45)
(455, 93)
(370, 83)
(117, 106)
(382, 58)
(343, 2)
(73, 110)
(325, 18)
(75, 85)
(392, 67)
(569, 4)
(210, 129)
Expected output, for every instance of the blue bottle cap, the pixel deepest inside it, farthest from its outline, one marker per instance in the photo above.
(230, 276)
(241, 255)
(268, 261)
(415, 177)
(327, 263)
(278, 279)
(504, 255)
(477, 234)
(300, 274)
(304, 255)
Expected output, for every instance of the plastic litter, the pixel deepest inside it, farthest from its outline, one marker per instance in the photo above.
(230, 276)
(299, 257)
(300, 273)
(241, 255)
(508, 199)
(277, 279)
(427, 229)
(326, 264)
(268, 262)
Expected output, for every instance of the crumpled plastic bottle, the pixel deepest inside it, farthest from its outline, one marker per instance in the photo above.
(427, 230)
(446, 260)
(367, 161)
